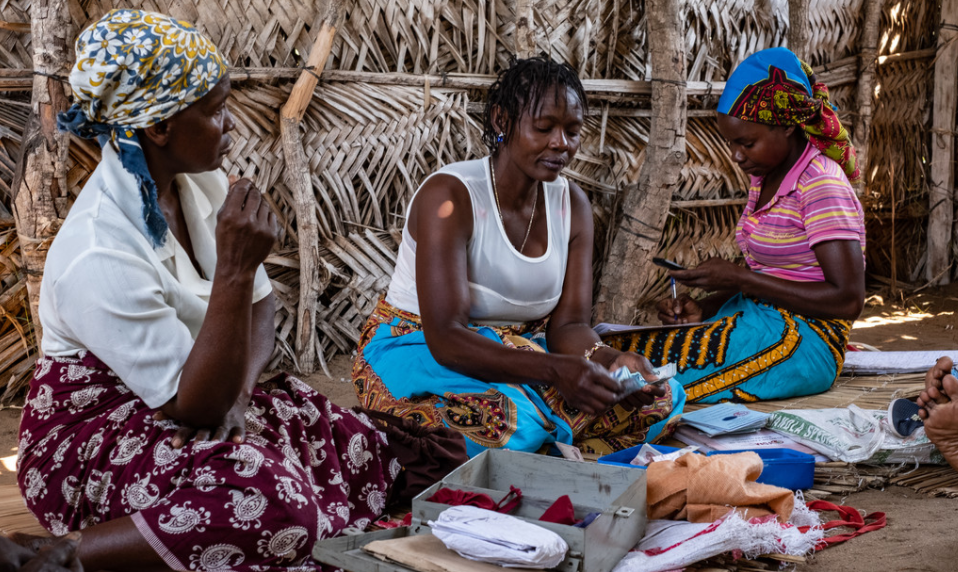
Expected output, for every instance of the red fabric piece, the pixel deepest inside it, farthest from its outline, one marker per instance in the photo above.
(456, 497)
(850, 517)
(561, 512)
(386, 522)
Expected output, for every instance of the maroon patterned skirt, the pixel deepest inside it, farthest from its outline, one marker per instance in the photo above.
(90, 451)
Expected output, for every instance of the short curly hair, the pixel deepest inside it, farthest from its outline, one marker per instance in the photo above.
(519, 89)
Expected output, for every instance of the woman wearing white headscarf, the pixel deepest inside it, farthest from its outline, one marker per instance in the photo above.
(158, 319)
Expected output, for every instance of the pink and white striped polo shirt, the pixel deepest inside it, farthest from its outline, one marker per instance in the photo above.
(814, 204)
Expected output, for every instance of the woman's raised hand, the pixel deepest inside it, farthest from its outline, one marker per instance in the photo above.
(246, 229)
(681, 310)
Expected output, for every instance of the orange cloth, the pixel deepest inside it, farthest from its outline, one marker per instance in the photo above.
(702, 489)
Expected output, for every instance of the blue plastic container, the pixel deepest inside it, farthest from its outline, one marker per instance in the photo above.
(782, 467)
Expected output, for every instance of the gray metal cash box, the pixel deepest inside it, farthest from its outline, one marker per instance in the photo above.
(618, 493)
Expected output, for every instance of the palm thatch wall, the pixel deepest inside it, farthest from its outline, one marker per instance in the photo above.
(400, 95)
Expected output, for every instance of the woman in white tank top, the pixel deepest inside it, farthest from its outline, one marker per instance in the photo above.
(496, 257)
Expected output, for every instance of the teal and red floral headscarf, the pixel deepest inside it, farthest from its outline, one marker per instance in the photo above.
(135, 69)
(773, 87)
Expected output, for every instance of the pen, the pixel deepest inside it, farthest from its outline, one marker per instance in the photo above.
(674, 296)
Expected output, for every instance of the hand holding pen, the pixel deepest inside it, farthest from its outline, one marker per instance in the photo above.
(679, 309)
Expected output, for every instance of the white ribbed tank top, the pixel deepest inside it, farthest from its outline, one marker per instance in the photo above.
(506, 287)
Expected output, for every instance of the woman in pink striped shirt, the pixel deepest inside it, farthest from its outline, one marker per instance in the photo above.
(780, 323)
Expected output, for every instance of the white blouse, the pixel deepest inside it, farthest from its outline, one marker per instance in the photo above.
(106, 289)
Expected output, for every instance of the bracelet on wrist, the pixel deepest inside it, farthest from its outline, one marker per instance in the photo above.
(594, 348)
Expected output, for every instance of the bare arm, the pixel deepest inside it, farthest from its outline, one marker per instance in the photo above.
(569, 330)
(262, 341)
(219, 367)
(441, 223)
(840, 296)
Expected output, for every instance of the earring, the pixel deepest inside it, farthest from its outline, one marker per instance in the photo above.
(500, 137)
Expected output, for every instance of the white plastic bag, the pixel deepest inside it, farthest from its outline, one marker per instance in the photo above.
(487, 536)
(854, 435)
(648, 454)
(914, 449)
(851, 434)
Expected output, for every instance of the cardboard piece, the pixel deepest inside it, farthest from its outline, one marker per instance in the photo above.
(426, 553)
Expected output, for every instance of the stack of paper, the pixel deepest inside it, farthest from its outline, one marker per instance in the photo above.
(725, 419)
(761, 439)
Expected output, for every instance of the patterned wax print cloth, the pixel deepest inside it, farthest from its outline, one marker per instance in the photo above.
(752, 351)
(134, 69)
(90, 451)
(814, 204)
(773, 87)
(395, 372)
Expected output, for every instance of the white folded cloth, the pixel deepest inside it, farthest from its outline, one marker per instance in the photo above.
(487, 536)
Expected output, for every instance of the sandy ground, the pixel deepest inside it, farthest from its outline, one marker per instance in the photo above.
(921, 530)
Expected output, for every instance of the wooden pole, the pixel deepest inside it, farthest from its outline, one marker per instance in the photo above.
(644, 210)
(298, 178)
(798, 30)
(867, 65)
(40, 183)
(941, 195)
(525, 29)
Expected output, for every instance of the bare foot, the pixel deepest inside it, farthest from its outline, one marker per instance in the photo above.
(933, 382)
(941, 422)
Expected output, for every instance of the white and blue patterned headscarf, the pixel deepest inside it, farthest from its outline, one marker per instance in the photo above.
(133, 70)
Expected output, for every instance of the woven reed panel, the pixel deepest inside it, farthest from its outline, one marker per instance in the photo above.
(901, 142)
(834, 26)
(722, 33)
(17, 345)
(426, 36)
(256, 33)
(15, 49)
(709, 172)
(908, 25)
(370, 146)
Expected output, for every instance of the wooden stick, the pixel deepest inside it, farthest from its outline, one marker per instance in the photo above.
(525, 29)
(941, 193)
(638, 229)
(798, 30)
(42, 168)
(18, 27)
(297, 178)
(845, 70)
(866, 85)
(302, 92)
